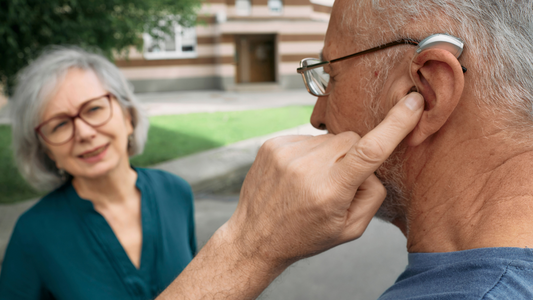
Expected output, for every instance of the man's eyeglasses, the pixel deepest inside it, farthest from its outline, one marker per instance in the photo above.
(316, 79)
(60, 129)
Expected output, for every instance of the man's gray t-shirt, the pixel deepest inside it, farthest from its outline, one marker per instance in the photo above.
(485, 273)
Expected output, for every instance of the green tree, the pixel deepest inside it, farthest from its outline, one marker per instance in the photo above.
(109, 26)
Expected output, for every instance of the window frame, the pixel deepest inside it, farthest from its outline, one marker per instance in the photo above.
(240, 12)
(275, 13)
(178, 53)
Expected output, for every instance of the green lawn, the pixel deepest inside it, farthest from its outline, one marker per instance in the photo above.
(171, 137)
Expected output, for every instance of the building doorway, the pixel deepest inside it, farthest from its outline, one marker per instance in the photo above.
(256, 58)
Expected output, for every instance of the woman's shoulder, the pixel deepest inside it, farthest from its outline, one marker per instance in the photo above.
(49, 208)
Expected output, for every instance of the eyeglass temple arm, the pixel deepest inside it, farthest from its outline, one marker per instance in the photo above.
(399, 42)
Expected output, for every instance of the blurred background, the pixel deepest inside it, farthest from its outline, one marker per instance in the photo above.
(217, 78)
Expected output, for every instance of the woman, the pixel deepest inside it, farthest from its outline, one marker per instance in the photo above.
(108, 230)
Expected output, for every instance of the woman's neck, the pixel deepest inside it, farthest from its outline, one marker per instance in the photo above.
(113, 188)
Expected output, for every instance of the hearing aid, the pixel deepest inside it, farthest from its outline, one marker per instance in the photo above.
(443, 41)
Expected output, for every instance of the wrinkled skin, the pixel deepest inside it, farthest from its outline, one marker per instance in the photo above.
(303, 195)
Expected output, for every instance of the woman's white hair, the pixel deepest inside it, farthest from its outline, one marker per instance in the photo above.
(498, 37)
(34, 85)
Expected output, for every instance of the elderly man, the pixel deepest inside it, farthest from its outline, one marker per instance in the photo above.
(458, 180)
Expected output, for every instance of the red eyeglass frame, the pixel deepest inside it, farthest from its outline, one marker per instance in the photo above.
(73, 118)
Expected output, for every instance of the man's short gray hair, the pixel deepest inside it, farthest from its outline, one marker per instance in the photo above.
(498, 37)
(498, 53)
(36, 82)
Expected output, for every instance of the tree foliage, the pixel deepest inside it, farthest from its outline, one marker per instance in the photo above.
(112, 26)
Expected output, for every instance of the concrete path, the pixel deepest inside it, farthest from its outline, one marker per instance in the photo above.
(359, 270)
(213, 170)
(208, 101)
(211, 101)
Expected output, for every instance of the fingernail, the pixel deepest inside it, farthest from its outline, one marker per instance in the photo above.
(414, 101)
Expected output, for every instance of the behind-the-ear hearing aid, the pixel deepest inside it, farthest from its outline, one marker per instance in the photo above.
(443, 41)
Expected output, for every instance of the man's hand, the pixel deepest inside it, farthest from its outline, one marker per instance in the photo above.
(303, 195)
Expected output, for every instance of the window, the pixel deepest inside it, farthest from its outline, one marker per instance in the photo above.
(243, 7)
(181, 43)
(275, 7)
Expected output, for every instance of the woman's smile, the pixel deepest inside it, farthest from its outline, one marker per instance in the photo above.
(94, 155)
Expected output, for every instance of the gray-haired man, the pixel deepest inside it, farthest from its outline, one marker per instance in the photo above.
(458, 186)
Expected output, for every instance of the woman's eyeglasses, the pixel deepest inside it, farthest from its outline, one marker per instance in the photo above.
(60, 129)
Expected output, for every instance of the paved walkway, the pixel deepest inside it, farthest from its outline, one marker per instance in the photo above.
(359, 270)
(208, 101)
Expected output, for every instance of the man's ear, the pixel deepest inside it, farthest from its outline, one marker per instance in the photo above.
(439, 77)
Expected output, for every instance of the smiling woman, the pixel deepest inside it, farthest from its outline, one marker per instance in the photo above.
(107, 230)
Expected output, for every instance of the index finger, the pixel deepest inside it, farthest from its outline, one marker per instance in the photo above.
(376, 146)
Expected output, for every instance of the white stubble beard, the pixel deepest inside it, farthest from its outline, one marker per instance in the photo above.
(391, 174)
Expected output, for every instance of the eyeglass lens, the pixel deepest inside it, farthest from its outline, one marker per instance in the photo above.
(317, 79)
(60, 129)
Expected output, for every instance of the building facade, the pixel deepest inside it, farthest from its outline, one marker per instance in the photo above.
(238, 45)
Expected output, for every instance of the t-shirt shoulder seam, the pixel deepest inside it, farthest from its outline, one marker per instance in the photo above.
(508, 261)
(497, 282)
(520, 267)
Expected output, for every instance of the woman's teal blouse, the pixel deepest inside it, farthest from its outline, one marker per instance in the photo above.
(63, 249)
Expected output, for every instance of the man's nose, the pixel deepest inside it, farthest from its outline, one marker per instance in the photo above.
(82, 130)
(318, 117)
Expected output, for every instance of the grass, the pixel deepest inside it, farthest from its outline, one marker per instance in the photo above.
(13, 187)
(171, 137)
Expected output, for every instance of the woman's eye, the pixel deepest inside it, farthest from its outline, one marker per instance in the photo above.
(58, 126)
(95, 108)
